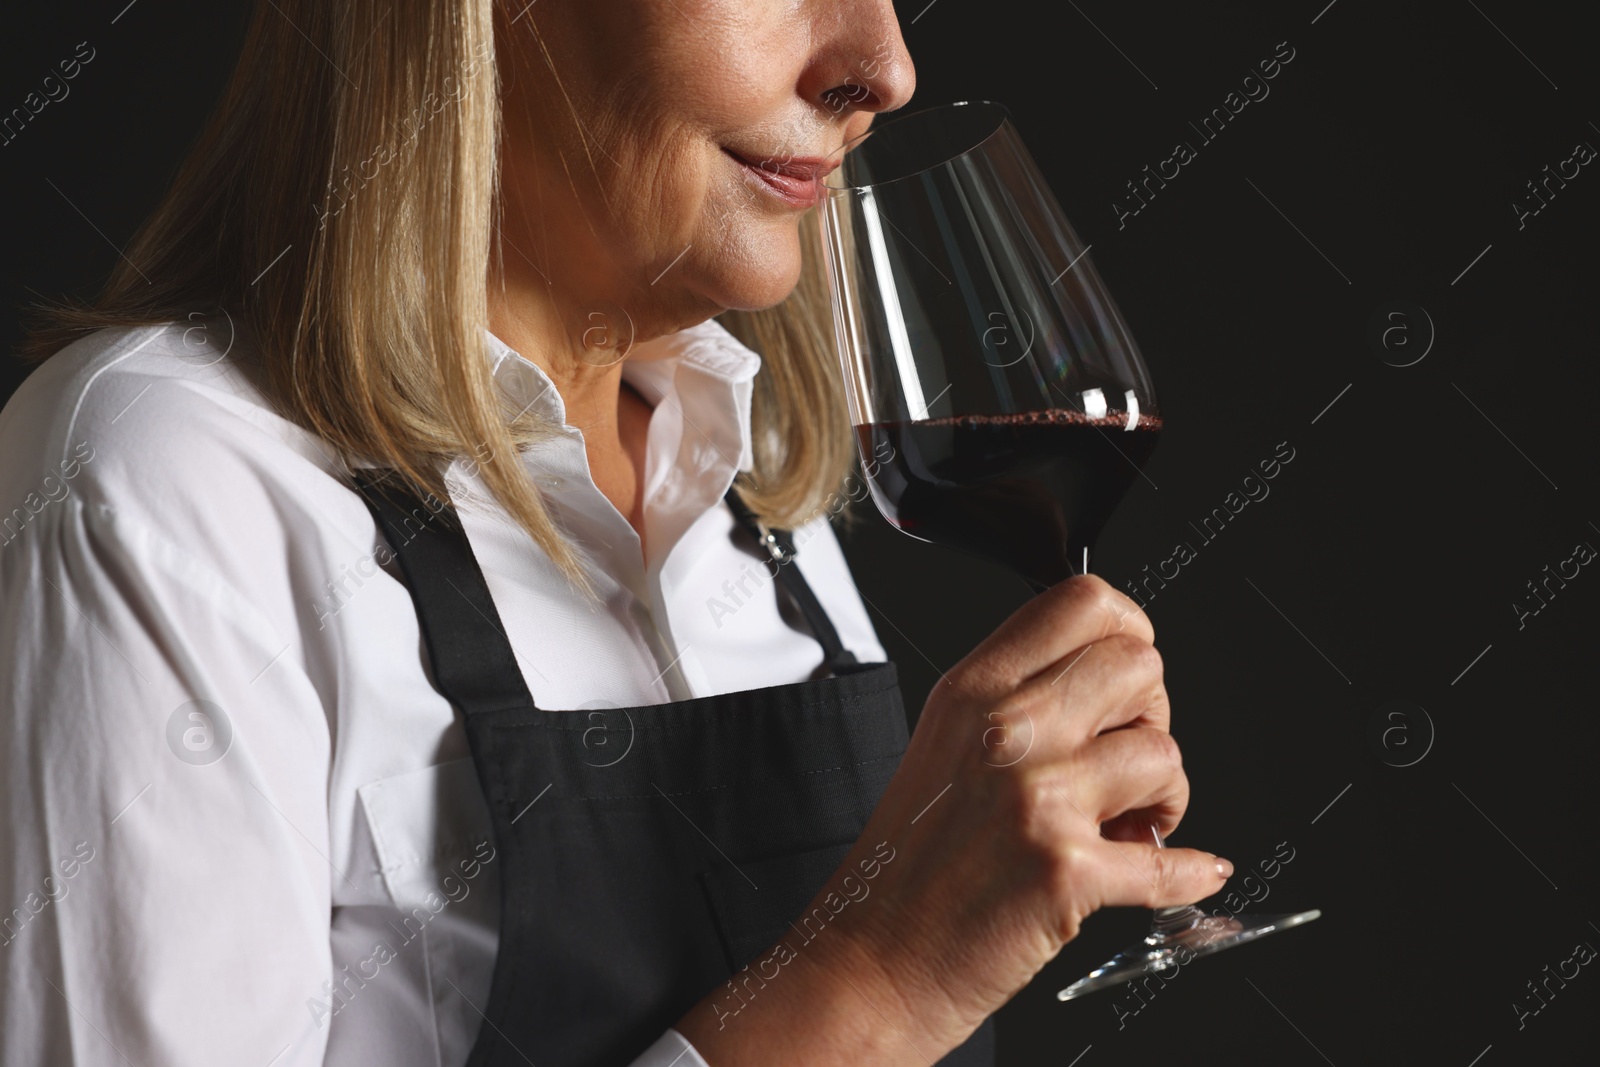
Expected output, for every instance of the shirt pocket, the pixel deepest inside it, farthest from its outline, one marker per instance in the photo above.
(431, 831)
(433, 837)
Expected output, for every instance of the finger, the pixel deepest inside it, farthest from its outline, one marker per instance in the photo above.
(1109, 684)
(1139, 674)
(1137, 771)
(1140, 825)
(1145, 876)
(1062, 619)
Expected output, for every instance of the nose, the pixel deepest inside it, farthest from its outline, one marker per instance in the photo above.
(860, 62)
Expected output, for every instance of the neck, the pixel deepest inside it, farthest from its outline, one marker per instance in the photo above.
(589, 380)
(614, 420)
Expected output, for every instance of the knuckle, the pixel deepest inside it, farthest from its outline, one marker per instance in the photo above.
(1132, 616)
(1010, 707)
(1093, 594)
(1082, 594)
(1048, 821)
(1150, 659)
(1034, 807)
(1134, 654)
(1008, 710)
(1179, 803)
(1063, 862)
(1165, 877)
(1098, 595)
(1067, 874)
(1008, 731)
(1163, 748)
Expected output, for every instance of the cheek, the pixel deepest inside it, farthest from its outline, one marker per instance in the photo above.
(683, 195)
(658, 95)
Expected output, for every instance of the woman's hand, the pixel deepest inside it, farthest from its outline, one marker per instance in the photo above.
(1050, 732)
(1023, 804)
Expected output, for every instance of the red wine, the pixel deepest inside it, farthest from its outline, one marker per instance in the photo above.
(1030, 490)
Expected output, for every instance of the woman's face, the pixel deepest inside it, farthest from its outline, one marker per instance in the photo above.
(658, 154)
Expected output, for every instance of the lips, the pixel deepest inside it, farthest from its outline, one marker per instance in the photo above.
(796, 180)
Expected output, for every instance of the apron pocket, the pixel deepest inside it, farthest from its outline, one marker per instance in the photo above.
(754, 909)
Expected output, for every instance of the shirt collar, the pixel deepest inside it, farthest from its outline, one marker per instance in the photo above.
(700, 375)
(699, 381)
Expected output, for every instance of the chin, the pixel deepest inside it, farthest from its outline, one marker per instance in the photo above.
(759, 269)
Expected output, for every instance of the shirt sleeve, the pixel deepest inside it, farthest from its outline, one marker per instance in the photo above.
(164, 886)
(672, 1049)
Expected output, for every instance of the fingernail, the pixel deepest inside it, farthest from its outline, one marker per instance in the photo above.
(1224, 868)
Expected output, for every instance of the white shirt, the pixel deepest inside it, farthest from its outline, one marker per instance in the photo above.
(182, 883)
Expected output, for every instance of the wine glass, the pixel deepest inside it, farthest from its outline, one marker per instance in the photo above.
(1000, 403)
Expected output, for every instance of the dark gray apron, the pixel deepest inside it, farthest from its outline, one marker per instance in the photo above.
(649, 854)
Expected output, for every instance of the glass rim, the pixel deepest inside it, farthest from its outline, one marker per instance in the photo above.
(827, 182)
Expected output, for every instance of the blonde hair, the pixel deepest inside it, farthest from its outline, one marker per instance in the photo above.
(340, 203)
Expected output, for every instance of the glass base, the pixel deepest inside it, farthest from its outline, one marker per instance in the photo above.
(1181, 935)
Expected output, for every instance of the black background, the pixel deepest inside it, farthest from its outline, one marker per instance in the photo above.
(1382, 567)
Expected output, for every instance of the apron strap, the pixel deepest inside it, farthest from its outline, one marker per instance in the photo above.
(477, 672)
(474, 671)
(779, 546)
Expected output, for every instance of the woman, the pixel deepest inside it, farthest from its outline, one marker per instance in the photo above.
(406, 422)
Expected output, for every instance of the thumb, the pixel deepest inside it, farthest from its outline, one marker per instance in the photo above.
(1143, 875)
